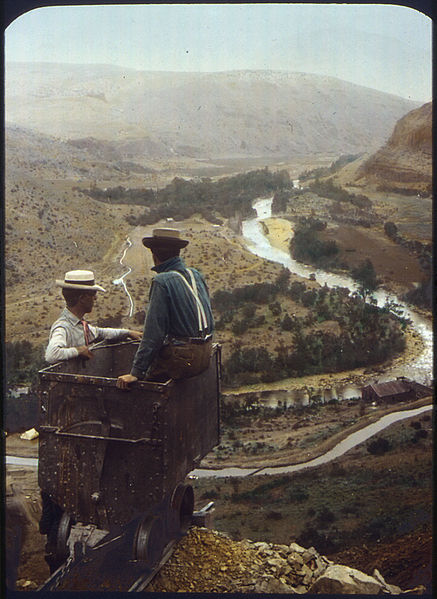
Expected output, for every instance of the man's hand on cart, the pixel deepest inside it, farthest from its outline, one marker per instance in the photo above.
(136, 335)
(84, 351)
(124, 380)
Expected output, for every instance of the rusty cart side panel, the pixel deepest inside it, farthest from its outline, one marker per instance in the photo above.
(102, 456)
(107, 455)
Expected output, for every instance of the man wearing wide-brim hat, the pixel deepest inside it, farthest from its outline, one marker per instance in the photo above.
(177, 336)
(71, 335)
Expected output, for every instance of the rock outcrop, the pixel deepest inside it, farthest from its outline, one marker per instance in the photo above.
(404, 163)
(207, 561)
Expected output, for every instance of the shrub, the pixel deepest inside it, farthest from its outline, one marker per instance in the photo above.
(272, 515)
(311, 537)
(23, 360)
(390, 229)
(421, 434)
(325, 517)
(210, 494)
(379, 446)
(287, 323)
(297, 494)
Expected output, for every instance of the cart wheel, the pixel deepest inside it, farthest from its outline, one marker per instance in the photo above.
(149, 540)
(63, 533)
(182, 502)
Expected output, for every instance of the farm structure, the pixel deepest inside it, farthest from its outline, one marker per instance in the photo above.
(395, 391)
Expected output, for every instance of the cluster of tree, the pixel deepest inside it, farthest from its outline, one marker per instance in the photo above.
(325, 171)
(20, 414)
(258, 293)
(182, 198)
(120, 195)
(241, 325)
(327, 189)
(23, 360)
(365, 275)
(423, 250)
(248, 365)
(368, 334)
(359, 218)
(306, 247)
(422, 295)
(283, 197)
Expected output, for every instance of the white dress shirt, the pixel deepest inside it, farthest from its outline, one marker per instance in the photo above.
(67, 333)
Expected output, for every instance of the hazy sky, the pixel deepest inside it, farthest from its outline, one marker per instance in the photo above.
(381, 46)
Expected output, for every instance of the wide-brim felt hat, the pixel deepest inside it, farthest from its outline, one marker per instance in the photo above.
(165, 238)
(79, 279)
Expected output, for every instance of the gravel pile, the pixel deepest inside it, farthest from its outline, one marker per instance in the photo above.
(206, 561)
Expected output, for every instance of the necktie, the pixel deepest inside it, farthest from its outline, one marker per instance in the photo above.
(86, 332)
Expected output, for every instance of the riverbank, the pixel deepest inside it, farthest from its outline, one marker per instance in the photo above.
(279, 232)
(286, 438)
(398, 269)
(358, 376)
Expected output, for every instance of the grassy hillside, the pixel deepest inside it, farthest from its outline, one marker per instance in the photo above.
(364, 509)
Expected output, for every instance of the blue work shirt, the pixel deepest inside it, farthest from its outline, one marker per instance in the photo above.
(172, 311)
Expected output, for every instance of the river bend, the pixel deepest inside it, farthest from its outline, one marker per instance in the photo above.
(420, 369)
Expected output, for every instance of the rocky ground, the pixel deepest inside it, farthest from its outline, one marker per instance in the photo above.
(206, 561)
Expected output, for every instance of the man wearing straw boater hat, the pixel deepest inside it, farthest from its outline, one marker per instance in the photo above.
(177, 336)
(71, 335)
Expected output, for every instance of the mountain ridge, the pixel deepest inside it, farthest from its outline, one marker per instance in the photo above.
(201, 115)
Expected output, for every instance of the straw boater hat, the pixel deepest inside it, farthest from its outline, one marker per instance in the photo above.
(79, 279)
(165, 238)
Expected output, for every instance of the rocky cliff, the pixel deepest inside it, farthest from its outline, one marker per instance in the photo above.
(404, 163)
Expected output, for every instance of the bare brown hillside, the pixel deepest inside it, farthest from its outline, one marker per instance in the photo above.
(404, 163)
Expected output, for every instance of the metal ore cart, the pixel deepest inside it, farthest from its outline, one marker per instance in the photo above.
(115, 460)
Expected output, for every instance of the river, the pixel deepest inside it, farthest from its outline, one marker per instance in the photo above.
(340, 449)
(419, 370)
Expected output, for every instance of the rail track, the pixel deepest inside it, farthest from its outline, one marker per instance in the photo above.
(111, 565)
